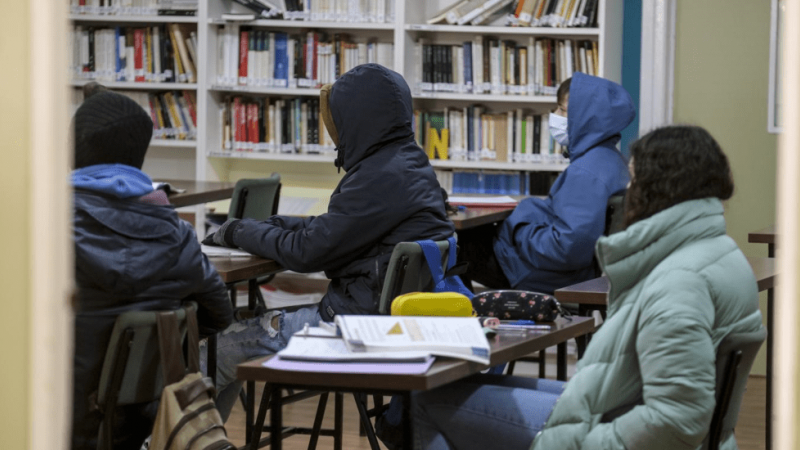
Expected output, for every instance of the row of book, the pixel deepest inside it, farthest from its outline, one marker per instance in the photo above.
(495, 182)
(134, 7)
(535, 13)
(253, 57)
(162, 53)
(273, 126)
(557, 13)
(474, 134)
(487, 65)
(174, 113)
(376, 11)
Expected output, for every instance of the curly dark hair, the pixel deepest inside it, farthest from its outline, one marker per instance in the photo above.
(672, 165)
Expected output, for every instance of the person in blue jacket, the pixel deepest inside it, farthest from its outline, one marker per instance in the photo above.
(548, 243)
(389, 194)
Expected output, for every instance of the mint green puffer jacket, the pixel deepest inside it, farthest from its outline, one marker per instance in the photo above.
(679, 285)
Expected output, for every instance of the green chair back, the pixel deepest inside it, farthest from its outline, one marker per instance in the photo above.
(408, 272)
(255, 198)
(132, 370)
(735, 356)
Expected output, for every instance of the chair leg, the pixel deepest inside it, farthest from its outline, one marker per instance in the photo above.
(363, 398)
(323, 401)
(511, 366)
(251, 406)
(338, 415)
(542, 364)
(258, 427)
(362, 411)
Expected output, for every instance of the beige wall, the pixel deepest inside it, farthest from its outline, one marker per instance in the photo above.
(721, 83)
(15, 257)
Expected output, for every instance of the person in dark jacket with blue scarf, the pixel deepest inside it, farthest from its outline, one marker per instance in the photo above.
(132, 253)
(389, 194)
(548, 243)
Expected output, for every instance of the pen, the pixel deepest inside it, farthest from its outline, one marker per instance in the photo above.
(511, 326)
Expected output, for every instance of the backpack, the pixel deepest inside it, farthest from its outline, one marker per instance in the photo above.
(187, 416)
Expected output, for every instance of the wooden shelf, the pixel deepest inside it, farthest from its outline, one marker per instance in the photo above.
(119, 18)
(136, 85)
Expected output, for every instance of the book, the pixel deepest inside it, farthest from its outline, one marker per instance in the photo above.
(501, 201)
(455, 337)
(441, 16)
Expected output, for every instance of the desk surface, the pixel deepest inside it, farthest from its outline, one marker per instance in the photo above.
(198, 192)
(233, 270)
(505, 347)
(594, 292)
(475, 216)
(762, 236)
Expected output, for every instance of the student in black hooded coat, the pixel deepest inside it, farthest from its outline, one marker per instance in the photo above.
(388, 195)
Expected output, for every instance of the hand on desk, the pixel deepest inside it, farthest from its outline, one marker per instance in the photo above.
(223, 237)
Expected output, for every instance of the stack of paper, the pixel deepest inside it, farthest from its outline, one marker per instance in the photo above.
(214, 251)
(502, 201)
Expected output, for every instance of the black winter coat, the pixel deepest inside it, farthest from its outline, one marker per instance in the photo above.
(131, 255)
(388, 195)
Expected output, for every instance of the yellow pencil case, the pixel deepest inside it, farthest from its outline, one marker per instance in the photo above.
(450, 304)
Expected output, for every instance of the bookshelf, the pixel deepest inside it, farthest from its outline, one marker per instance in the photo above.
(405, 24)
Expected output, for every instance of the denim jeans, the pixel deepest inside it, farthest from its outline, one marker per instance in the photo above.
(251, 339)
(485, 411)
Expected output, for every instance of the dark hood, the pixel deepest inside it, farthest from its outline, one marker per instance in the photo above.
(371, 107)
(599, 110)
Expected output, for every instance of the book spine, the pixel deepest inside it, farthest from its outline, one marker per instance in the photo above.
(243, 47)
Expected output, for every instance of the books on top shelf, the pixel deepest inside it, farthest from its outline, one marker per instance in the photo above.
(390, 338)
(535, 13)
(134, 7)
(487, 65)
(174, 113)
(260, 58)
(375, 11)
(157, 54)
(274, 126)
(474, 134)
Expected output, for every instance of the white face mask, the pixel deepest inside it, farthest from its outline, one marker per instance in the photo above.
(558, 129)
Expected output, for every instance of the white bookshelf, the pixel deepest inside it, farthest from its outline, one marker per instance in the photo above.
(129, 19)
(206, 154)
(132, 85)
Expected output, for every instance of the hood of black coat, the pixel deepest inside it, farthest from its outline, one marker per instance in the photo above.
(371, 107)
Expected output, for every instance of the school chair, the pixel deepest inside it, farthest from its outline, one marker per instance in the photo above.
(131, 372)
(407, 272)
(735, 356)
(255, 199)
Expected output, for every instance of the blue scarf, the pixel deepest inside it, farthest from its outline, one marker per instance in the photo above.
(118, 180)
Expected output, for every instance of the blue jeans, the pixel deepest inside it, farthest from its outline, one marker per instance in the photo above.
(251, 339)
(484, 412)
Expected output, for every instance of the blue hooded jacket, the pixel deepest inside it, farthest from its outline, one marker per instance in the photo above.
(548, 244)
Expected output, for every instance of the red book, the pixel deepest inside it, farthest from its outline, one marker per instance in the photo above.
(237, 104)
(243, 47)
(241, 125)
(252, 110)
(138, 54)
(314, 57)
(189, 97)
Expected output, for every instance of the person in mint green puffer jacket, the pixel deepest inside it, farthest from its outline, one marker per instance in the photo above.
(679, 285)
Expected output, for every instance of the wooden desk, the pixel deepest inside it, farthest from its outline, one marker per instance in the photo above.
(199, 192)
(475, 216)
(595, 291)
(768, 236)
(505, 347)
(764, 236)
